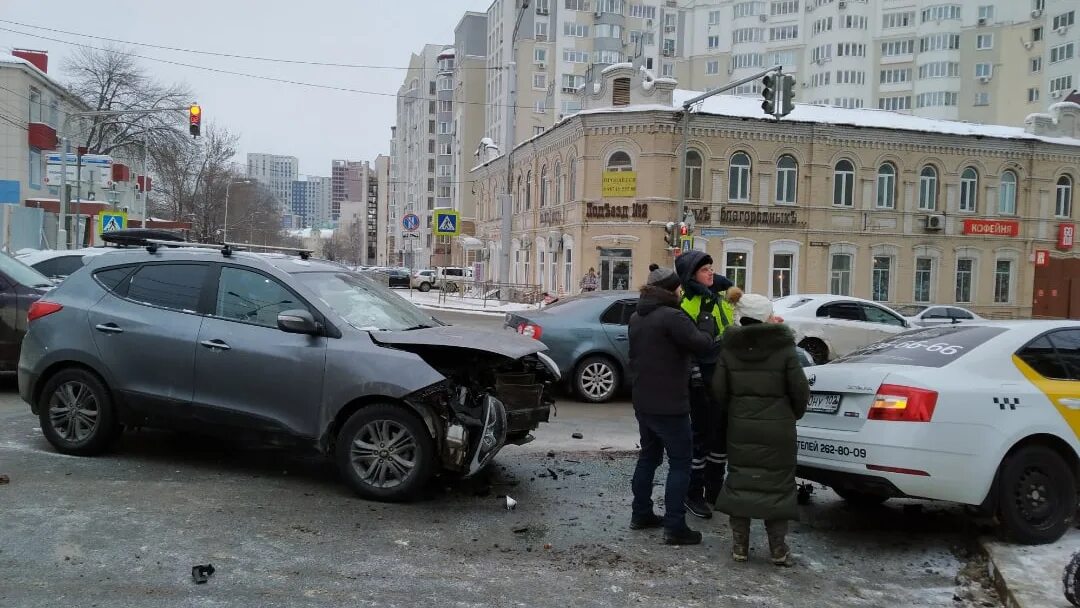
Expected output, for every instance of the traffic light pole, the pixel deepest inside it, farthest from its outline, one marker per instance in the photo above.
(506, 221)
(61, 229)
(687, 105)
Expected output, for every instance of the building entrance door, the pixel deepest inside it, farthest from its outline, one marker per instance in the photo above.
(615, 268)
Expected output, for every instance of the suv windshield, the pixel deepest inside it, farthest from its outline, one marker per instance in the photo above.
(363, 303)
(23, 274)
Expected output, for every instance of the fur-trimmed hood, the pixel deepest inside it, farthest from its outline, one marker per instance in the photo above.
(756, 342)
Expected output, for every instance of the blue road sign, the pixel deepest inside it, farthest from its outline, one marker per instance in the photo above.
(109, 221)
(714, 232)
(410, 222)
(447, 222)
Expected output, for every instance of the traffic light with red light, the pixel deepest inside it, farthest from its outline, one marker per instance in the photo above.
(683, 229)
(194, 119)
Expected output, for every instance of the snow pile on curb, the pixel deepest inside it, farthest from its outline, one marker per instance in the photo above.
(1030, 576)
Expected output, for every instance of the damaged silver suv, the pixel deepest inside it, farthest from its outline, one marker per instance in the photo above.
(276, 348)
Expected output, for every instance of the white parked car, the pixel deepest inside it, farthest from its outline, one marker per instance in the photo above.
(929, 316)
(58, 264)
(829, 326)
(984, 414)
(423, 280)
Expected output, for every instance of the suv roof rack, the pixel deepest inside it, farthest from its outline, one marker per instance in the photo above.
(226, 249)
(137, 237)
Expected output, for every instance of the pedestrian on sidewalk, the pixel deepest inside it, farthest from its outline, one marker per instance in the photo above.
(662, 341)
(590, 282)
(761, 384)
(705, 301)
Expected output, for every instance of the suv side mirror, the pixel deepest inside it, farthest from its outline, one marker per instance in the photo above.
(297, 322)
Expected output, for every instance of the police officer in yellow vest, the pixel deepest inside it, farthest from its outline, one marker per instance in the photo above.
(704, 300)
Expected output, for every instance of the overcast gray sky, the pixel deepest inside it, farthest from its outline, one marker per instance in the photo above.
(315, 125)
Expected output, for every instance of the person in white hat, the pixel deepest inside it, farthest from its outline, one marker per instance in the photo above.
(760, 383)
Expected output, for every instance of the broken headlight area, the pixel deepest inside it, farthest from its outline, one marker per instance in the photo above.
(469, 424)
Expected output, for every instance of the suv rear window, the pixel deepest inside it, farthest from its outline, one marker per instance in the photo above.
(111, 278)
(930, 347)
(174, 286)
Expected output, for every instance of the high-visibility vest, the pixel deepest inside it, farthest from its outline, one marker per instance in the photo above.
(723, 312)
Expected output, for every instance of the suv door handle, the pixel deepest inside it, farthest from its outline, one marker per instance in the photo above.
(622, 338)
(109, 328)
(215, 344)
(1072, 404)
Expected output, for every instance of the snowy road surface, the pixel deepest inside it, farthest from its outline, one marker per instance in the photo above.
(125, 530)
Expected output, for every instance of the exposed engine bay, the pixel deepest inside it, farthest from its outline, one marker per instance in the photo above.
(486, 401)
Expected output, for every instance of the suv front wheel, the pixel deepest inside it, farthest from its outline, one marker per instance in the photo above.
(385, 453)
(77, 414)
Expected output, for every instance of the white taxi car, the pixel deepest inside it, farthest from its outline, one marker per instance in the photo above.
(830, 326)
(984, 414)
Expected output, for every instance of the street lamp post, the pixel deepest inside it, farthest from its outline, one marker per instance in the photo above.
(225, 228)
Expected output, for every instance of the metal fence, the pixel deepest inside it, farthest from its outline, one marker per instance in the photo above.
(490, 292)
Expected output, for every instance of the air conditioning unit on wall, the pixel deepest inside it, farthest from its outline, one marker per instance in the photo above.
(935, 222)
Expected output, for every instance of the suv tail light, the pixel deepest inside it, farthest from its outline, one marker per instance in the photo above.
(903, 404)
(530, 330)
(42, 308)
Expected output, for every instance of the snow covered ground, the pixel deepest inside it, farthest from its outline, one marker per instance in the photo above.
(470, 305)
(1033, 574)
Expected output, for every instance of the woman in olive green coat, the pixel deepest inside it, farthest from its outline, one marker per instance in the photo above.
(762, 386)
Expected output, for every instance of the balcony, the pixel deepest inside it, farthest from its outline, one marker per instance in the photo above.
(41, 136)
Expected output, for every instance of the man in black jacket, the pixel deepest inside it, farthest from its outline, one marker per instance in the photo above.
(663, 340)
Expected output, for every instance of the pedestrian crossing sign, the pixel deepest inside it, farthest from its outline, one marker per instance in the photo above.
(111, 221)
(447, 222)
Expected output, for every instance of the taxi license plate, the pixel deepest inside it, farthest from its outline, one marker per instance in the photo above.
(824, 403)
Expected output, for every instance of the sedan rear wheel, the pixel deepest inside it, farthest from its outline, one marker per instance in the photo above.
(1037, 495)
(817, 350)
(385, 453)
(597, 379)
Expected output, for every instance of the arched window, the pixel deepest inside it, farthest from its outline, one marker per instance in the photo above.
(1063, 208)
(787, 173)
(886, 186)
(620, 161)
(693, 175)
(739, 177)
(558, 183)
(1007, 194)
(544, 186)
(528, 191)
(928, 188)
(573, 179)
(844, 184)
(969, 190)
(520, 196)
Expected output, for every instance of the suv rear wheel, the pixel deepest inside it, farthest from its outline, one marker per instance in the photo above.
(77, 414)
(385, 453)
(425, 287)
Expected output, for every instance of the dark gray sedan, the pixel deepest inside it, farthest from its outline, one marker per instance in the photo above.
(587, 337)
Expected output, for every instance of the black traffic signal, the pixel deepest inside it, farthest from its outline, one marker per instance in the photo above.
(194, 119)
(671, 234)
(768, 93)
(787, 95)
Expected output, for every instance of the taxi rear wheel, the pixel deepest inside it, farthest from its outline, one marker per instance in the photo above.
(1037, 495)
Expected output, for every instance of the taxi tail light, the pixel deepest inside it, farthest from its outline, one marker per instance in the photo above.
(42, 308)
(530, 330)
(903, 404)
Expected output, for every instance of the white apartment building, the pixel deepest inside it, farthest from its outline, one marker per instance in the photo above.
(562, 45)
(413, 150)
(275, 172)
(990, 61)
